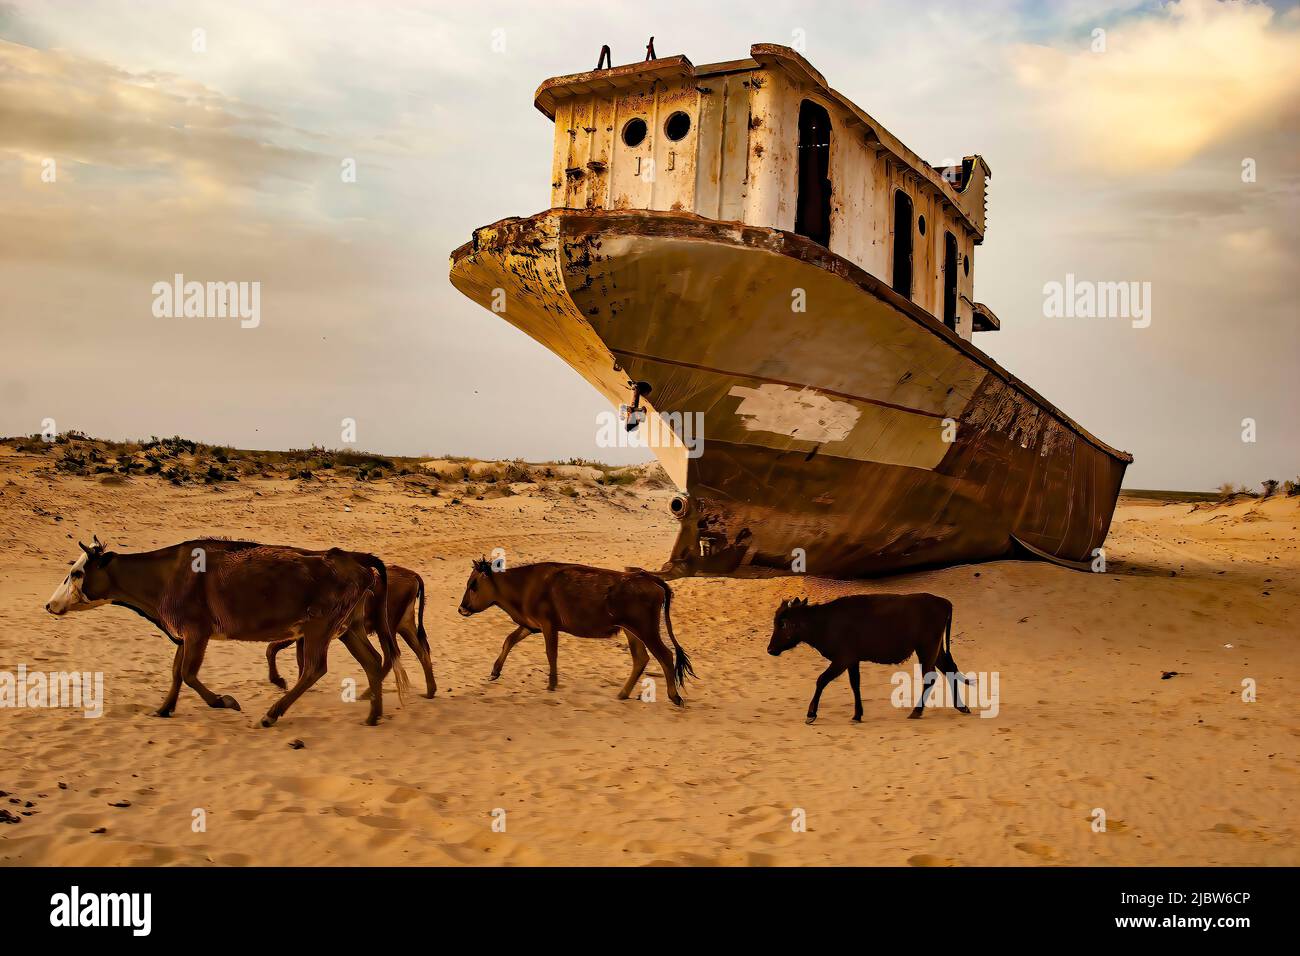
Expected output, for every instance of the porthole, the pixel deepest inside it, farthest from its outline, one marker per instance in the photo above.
(634, 131)
(678, 125)
(920, 224)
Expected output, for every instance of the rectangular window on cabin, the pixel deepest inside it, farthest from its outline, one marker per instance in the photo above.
(813, 208)
(902, 282)
(950, 280)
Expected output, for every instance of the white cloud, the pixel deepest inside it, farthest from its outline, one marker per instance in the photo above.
(1167, 86)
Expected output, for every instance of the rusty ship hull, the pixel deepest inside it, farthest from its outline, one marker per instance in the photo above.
(845, 431)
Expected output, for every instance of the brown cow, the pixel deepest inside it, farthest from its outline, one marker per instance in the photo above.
(211, 589)
(879, 628)
(405, 609)
(585, 602)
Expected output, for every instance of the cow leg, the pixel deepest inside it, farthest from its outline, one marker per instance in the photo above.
(954, 674)
(273, 672)
(315, 648)
(929, 677)
(855, 680)
(420, 647)
(948, 678)
(639, 660)
(828, 675)
(195, 647)
(957, 702)
(649, 635)
(355, 641)
(552, 638)
(513, 638)
(927, 681)
(169, 704)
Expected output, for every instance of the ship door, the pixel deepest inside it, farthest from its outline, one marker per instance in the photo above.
(950, 280)
(903, 244)
(813, 215)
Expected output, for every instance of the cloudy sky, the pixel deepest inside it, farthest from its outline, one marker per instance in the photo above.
(218, 155)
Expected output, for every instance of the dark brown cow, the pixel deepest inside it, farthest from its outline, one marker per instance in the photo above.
(879, 628)
(585, 602)
(405, 610)
(211, 589)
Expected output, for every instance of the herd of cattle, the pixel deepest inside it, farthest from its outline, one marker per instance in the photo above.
(214, 589)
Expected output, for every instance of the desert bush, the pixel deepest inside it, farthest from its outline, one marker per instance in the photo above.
(363, 459)
(1228, 491)
(623, 476)
(516, 471)
(32, 444)
(176, 445)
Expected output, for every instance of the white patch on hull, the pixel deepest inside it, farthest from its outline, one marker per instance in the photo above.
(804, 414)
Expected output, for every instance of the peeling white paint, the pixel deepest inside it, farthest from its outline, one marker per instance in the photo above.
(799, 413)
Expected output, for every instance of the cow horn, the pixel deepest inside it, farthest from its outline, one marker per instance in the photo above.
(97, 542)
(83, 547)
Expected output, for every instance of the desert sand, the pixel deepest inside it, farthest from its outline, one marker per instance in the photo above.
(1186, 771)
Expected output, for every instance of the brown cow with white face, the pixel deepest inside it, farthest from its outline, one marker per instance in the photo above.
(211, 589)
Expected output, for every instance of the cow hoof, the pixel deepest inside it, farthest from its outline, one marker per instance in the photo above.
(963, 710)
(228, 702)
(431, 695)
(857, 719)
(372, 721)
(679, 702)
(915, 714)
(812, 719)
(162, 712)
(280, 683)
(269, 721)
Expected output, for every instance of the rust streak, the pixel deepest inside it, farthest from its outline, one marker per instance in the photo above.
(779, 381)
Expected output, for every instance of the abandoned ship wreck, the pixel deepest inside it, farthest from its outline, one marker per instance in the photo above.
(740, 243)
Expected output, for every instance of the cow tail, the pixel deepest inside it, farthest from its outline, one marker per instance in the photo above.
(947, 638)
(391, 653)
(681, 663)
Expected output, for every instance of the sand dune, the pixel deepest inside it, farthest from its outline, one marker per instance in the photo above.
(1185, 770)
